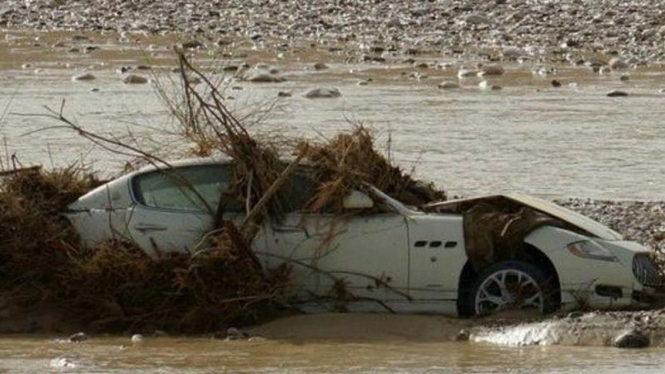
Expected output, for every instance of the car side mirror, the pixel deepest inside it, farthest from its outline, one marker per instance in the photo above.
(358, 200)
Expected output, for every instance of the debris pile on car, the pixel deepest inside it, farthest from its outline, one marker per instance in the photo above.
(118, 287)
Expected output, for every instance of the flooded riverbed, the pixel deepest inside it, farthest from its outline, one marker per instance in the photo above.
(529, 137)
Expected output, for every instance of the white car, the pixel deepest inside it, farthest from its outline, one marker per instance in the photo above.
(388, 255)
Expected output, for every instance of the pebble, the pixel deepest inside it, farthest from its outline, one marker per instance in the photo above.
(264, 77)
(617, 93)
(192, 44)
(288, 93)
(323, 93)
(448, 85)
(466, 73)
(84, 77)
(486, 86)
(26, 66)
(631, 339)
(624, 77)
(62, 362)
(94, 89)
(477, 19)
(137, 338)
(618, 64)
(492, 70)
(320, 66)
(555, 83)
(78, 337)
(134, 79)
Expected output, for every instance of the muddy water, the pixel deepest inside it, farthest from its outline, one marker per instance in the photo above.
(571, 141)
(192, 355)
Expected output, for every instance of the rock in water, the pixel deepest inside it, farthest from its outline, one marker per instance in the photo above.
(323, 93)
(84, 77)
(631, 339)
(448, 85)
(492, 70)
(137, 338)
(618, 64)
(263, 77)
(62, 362)
(78, 337)
(320, 66)
(192, 44)
(486, 86)
(617, 93)
(134, 79)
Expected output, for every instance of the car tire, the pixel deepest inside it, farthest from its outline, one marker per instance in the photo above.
(511, 285)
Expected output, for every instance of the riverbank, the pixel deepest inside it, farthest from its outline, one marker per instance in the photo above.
(577, 32)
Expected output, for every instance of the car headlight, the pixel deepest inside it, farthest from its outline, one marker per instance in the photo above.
(591, 250)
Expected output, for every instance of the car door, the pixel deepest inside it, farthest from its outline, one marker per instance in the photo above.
(175, 207)
(365, 250)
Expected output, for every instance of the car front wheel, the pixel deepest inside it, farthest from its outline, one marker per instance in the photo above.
(511, 285)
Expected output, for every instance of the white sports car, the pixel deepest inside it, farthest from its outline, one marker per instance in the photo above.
(388, 255)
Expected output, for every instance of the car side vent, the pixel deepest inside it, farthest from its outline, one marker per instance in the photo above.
(646, 271)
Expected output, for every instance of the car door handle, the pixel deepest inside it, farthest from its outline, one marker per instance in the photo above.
(145, 227)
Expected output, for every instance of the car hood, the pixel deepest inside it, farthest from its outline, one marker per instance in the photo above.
(568, 216)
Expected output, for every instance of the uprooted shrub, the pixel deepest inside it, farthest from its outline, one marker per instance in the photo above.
(115, 286)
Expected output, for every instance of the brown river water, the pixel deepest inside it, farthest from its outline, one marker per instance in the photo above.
(571, 141)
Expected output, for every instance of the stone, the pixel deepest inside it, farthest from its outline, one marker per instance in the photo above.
(94, 89)
(604, 70)
(135, 79)
(466, 73)
(78, 337)
(264, 77)
(631, 339)
(556, 83)
(320, 66)
(462, 336)
(512, 53)
(84, 77)
(617, 93)
(26, 66)
(323, 93)
(448, 85)
(192, 44)
(288, 93)
(486, 86)
(624, 78)
(477, 19)
(492, 70)
(662, 90)
(137, 338)
(618, 64)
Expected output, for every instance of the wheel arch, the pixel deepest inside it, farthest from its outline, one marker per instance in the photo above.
(530, 254)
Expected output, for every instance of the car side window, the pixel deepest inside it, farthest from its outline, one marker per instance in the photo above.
(191, 188)
(300, 189)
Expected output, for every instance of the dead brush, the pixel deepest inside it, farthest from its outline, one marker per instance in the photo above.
(351, 161)
(34, 239)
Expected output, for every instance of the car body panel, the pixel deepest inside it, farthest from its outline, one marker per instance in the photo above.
(572, 218)
(579, 277)
(367, 254)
